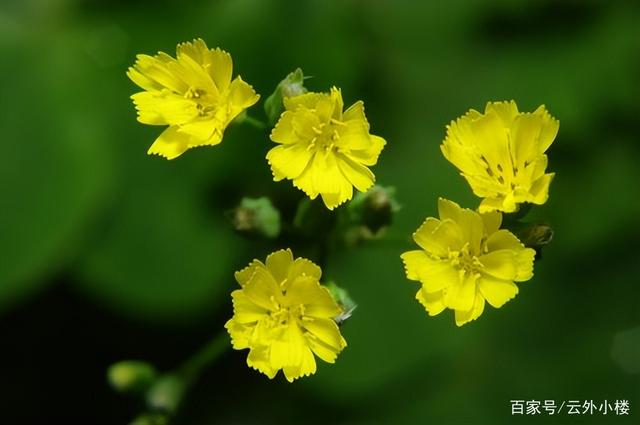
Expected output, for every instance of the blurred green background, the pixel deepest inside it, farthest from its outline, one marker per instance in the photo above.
(106, 253)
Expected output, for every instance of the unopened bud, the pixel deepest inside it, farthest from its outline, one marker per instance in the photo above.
(292, 85)
(131, 376)
(166, 394)
(535, 235)
(373, 210)
(256, 217)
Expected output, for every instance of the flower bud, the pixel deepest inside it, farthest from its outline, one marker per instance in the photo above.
(166, 394)
(131, 376)
(373, 211)
(292, 85)
(256, 217)
(535, 235)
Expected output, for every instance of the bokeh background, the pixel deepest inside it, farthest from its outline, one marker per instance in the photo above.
(108, 254)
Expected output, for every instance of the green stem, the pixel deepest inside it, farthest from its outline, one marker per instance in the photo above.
(193, 367)
(254, 122)
(165, 395)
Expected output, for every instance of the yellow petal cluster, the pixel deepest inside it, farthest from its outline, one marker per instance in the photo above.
(324, 150)
(501, 154)
(464, 260)
(284, 316)
(193, 94)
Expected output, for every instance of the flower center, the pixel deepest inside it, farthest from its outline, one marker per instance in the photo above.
(465, 261)
(202, 100)
(283, 315)
(326, 136)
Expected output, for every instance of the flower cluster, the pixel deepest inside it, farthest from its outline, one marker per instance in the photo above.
(465, 258)
(282, 313)
(322, 149)
(284, 316)
(501, 153)
(193, 94)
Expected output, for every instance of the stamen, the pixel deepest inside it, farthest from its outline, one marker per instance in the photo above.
(274, 302)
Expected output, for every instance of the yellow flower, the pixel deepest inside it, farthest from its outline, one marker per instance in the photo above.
(283, 316)
(192, 94)
(465, 259)
(501, 154)
(324, 150)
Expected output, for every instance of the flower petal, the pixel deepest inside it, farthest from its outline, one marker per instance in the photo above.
(243, 276)
(241, 96)
(459, 149)
(245, 310)
(355, 112)
(159, 108)
(196, 49)
(170, 144)
(326, 331)
(201, 129)
(288, 348)
(497, 291)
(316, 299)
(358, 175)
(239, 334)
(461, 295)
(289, 161)
(439, 237)
(322, 350)
(540, 189)
(469, 222)
(491, 221)
(328, 180)
(142, 80)
(278, 264)
(503, 239)
(495, 203)
(525, 259)
(156, 69)
(506, 111)
(434, 274)
(463, 317)
(433, 302)
(525, 136)
(259, 359)
(304, 267)
(549, 129)
(307, 100)
(303, 123)
(263, 290)
(305, 183)
(501, 264)
(354, 136)
(493, 143)
(194, 74)
(369, 155)
(283, 130)
(305, 367)
(448, 209)
(220, 68)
